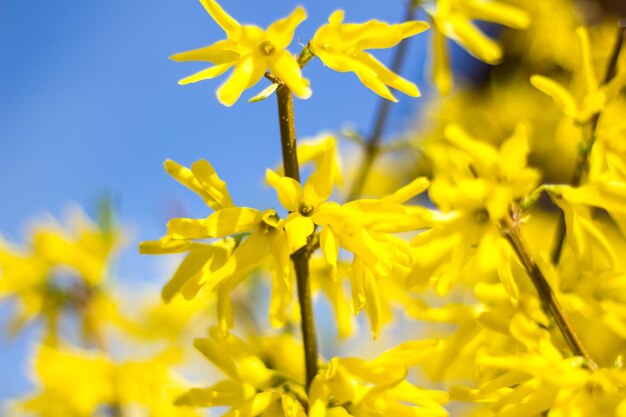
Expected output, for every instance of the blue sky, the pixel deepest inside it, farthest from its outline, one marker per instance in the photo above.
(89, 105)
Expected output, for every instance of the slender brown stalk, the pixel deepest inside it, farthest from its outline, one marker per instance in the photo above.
(582, 162)
(372, 145)
(551, 305)
(300, 258)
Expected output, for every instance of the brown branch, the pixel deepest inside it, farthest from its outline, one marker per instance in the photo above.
(300, 258)
(550, 304)
(582, 162)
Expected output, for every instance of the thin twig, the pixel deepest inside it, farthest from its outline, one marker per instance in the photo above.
(551, 305)
(301, 257)
(582, 162)
(372, 145)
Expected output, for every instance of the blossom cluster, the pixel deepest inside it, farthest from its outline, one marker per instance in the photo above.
(497, 262)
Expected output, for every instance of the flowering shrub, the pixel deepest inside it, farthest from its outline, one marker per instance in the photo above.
(501, 242)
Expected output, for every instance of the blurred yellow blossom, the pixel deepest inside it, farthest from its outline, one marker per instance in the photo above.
(453, 19)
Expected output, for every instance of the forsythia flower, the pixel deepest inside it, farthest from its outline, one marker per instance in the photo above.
(64, 268)
(595, 95)
(221, 265)
(341, 46)
(252, 51)
(542, 382)
(79, 383)
(374, 388)
(474, 186)
(452, 19)
(362, 227)
(264, 378)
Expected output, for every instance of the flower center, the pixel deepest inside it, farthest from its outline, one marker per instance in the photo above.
(306, 211)
(481, 215)
(266, 48)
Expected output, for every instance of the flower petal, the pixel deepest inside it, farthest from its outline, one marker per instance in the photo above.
(298, 229)
(283, 65)
(248, 71)
(289, 190)
(226, 22)
(188, 269)
(219, 224)
(212, 183)
(466, 34)
(442, 72)
(280, 33)
(206, 74)
(562, 98)
(220, 52)
(319, 186)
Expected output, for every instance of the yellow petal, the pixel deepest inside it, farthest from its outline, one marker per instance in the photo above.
(248, 71)
(226, 22)
(513, 153)
(255, 406)
(497, 12)
(219, 53)
(442, 72)
(280, 300)
(289, 190)
(319, 186)
(222, 223)
(373, 304)
(218, 355)
(586, 61)
(329, 243)
(404, 194)
(279, 251)
(227, 392)
(225, 314)
(212, 183)
(187, 270)
(164, 245)
(246, 257)
(466, 34)
(280, 33)
(206, 74)
(298, 229)
(563, 99)
(283, 65)
(381, 35)
(387, 76)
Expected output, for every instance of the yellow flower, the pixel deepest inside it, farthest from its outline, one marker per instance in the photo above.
(453, 19)
(252, 51)
(474, 186)
(74, 382)
(374, 388)
(362, 227)
(264, 377)
(595, 95)
(341, 46)
(257, 237)
(64, 267)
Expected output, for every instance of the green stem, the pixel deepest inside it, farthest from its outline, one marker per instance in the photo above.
(301, 257)
(372, 145)
(582, 162)
(551, 305)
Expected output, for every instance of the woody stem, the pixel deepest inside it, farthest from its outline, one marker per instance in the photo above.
(300, 258)
(551, 305)
(582, 162)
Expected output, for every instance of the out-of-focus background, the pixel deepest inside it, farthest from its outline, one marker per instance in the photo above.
(89, 107)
